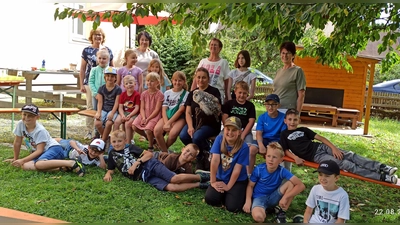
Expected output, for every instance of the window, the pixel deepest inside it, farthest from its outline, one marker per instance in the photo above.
(77, 27)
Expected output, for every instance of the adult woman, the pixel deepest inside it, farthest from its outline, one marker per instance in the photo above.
(289, 82)
(143, 51)
(97, 38)
(200, 126)
(242, 73)
(218, 69)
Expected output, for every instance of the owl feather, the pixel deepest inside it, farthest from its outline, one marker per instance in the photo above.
(208, 103)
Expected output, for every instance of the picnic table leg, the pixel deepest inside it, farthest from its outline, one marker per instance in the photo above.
(13, 105)
(63, 123)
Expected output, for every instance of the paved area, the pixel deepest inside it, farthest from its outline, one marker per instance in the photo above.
(8, 216)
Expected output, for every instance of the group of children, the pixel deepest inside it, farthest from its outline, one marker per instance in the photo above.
(232, 181)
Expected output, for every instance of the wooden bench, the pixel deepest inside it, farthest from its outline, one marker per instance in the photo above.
(351, 114)
(87, 112)
(348, 174)
(62, 119)
(316, 109)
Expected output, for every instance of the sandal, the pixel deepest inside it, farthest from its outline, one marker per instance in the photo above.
(65, 169)
(150, 149)
(78, 164)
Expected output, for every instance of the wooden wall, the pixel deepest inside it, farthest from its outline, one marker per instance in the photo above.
(353, 83)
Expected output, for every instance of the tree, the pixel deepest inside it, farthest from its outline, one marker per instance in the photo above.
(354, 24)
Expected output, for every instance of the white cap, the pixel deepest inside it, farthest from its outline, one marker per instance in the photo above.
(98, 143)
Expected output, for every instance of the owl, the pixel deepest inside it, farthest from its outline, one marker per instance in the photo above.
(208, 103)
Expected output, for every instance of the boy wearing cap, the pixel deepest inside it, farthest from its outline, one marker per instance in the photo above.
(269, 127)
(46, 153)
(299, 145)
(89, 154)
(331, 202)
(108, 102)
(271, 185)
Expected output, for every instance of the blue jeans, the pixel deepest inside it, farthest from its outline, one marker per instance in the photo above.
(54, 152)
(200, 137)
(351, 162)
(267, 201)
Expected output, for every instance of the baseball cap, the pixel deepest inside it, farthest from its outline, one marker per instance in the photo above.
(98, 144)
(272, 97)
(110, 70)
(328, 167)
(233, 121)
(30, 108)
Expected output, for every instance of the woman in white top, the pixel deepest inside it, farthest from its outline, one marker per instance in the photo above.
(143, 51)
(217, 67)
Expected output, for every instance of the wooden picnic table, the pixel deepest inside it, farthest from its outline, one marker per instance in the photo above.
(10, 84)
(62, 119)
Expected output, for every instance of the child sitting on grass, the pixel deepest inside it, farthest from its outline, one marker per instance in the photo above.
(89, 154)
(137, 164)
(46, 153)
(298, 145)
(331, 202)
(270, 185)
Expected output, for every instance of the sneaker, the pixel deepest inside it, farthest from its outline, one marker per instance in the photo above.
(281, 216)
(204, 185)
(204, 175)
(88, 136)
(132, 142)
(388, 169)
(391, 179)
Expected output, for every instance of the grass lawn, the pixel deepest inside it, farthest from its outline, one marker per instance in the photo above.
(88, 199)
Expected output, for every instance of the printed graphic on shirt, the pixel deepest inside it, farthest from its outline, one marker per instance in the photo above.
(214, 73)
(239, 111)
(293, 136)
(328, 209)
(171, 102)
(125, 159)
(29, 142)
(128, 105)
(226, 161)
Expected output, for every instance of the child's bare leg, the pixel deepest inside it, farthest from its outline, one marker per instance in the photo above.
(252, 159)
(150, 137)
(184, 178)
(128, 131)
(258, 214)
(99, 126)
(29, 166)
(117, 122)
(174, 132)
(181, 187)
(139, 131)
(107, 130)
(158, 133)
(46, 165)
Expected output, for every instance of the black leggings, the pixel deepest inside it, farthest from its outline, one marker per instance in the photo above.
(233, 200)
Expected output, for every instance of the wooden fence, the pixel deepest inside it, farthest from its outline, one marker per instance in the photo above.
(380, 100)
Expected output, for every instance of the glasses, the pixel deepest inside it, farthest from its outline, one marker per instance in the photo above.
(286, 53)
(271, 105)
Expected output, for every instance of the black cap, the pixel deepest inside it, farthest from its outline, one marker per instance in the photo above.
(328, 167)
(272, 97)
(30, 108)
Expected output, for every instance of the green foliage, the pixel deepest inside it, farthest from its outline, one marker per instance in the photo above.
(391, 74)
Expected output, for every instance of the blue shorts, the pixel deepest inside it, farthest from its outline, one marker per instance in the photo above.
(104, 115)
(266, 141)
(267, 201)
(156, 174)
(54, 152)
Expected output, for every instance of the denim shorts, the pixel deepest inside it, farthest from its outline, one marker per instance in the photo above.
(54, 152)
(156, 174)
(267, 201)
(266, 141)
(104, 115)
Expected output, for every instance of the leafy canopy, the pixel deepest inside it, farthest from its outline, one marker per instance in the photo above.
(355, 24)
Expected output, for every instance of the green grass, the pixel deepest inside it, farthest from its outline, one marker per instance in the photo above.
(88, 199)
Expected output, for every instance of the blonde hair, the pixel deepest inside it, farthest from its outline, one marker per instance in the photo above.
(153, 76)
(98, 30)
(127, 78)
(161, 72)
(127, 54)
(102, 52)
(180, 75)
(276, 146)
(243, 85)
(236, 146)
(118, 134)
(194, 146)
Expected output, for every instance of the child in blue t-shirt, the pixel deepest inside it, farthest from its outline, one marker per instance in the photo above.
(266, 188)
(228, 177)
(269, 127)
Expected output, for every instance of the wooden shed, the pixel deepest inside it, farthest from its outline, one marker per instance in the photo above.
(339, 88)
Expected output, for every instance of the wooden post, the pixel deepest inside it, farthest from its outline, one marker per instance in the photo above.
(369, 98)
